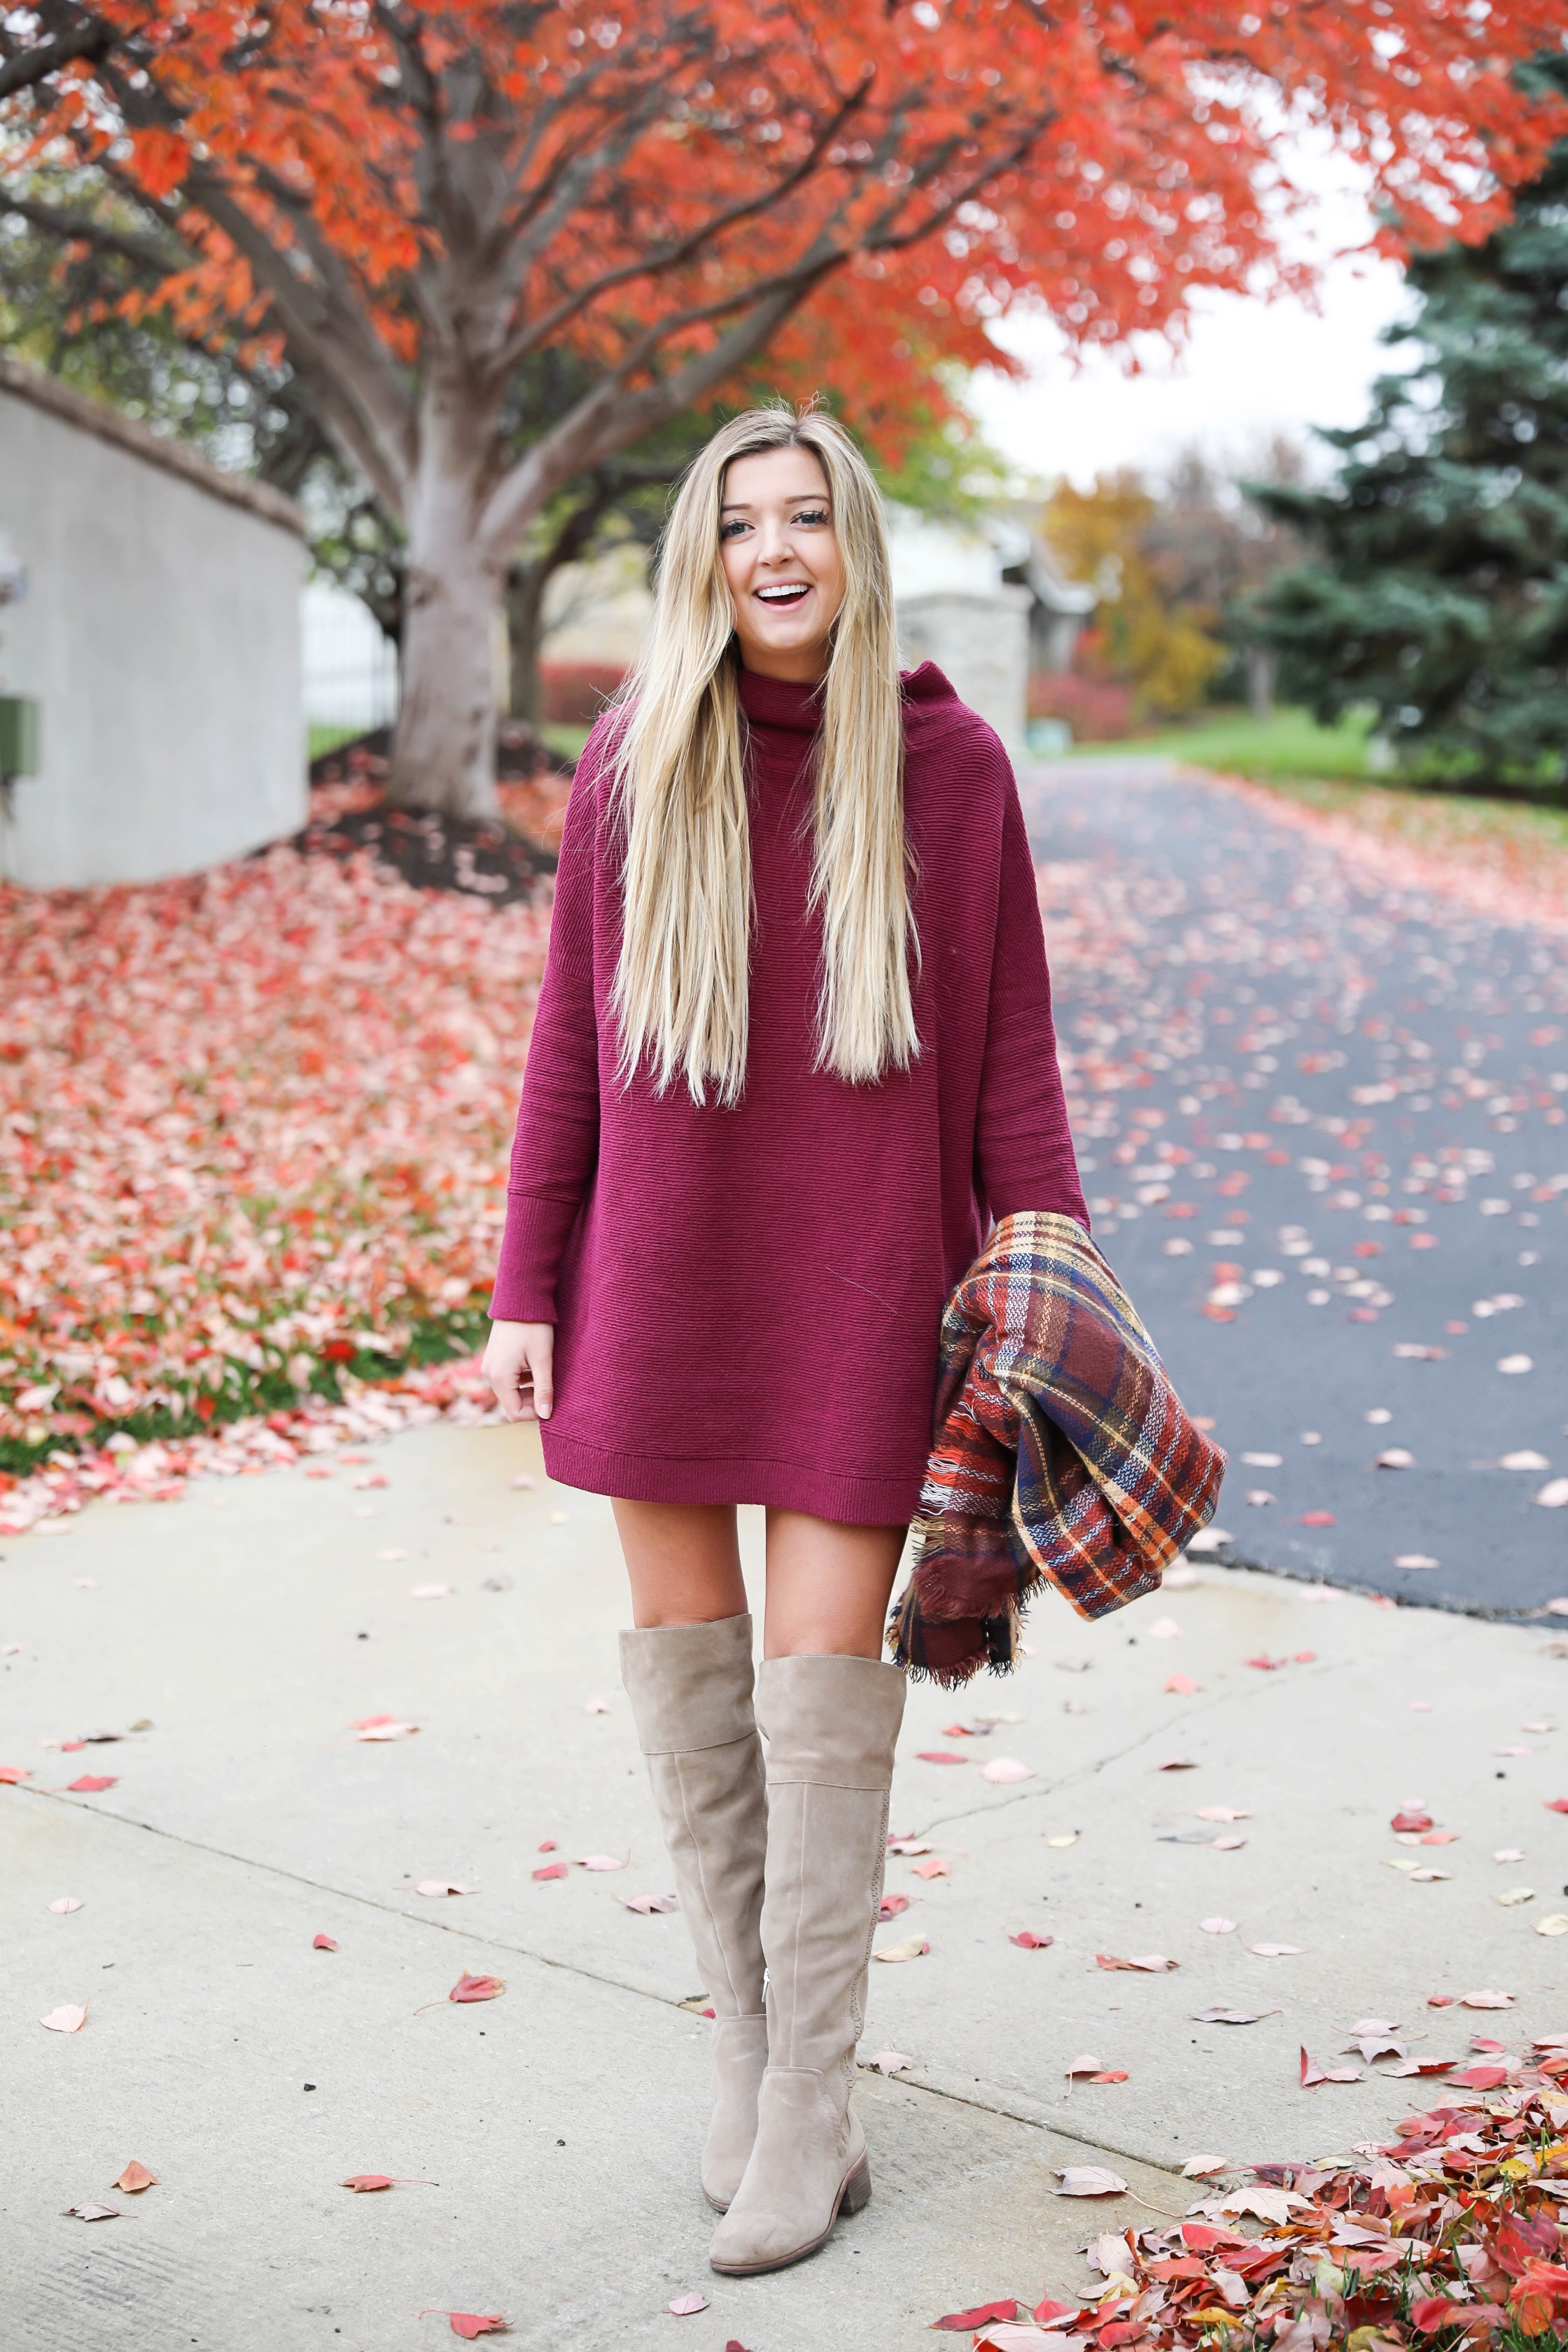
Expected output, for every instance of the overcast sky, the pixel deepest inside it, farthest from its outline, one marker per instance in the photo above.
(1250, 369)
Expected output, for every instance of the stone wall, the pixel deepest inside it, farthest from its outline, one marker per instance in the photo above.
(158, 631)
(980, 639)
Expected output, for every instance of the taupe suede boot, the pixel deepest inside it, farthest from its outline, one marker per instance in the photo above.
(830, 1724)
(690, 1691)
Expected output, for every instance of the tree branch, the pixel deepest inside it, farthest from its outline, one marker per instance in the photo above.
(91, 38)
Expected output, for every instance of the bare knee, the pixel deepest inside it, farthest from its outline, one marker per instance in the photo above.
(683, 1560)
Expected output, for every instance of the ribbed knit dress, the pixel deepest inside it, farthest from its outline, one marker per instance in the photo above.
(747, 1300)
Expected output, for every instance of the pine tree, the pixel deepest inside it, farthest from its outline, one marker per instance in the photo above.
(1441, 592)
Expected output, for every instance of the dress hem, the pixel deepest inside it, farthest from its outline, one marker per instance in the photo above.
(851, 1500)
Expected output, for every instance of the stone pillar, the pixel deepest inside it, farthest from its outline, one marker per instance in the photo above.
(980, 639)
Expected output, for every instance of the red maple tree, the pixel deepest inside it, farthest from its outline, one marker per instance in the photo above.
(415, 203)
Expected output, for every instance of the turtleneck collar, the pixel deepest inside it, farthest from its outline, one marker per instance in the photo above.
(779, 703)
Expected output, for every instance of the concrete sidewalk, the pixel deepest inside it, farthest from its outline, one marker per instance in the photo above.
(551, 2174)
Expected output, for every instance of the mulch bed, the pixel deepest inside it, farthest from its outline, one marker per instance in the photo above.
(504, 859)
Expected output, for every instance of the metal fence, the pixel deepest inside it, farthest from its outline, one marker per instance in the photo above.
(349, 669)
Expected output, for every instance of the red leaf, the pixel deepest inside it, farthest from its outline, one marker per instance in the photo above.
(470, 2324)
(362, 2183)
(939, 1755)
(1556, 1804)
(1481, 2078)
(1411, 1822)
(1047, 2311)
(1031, 1942)
(892, 1905)
(554, 1870)
(91, 1782)
(12, 1773)
(1319, 1519)
(322, 1944)
(961, 2322)
(477, 1989)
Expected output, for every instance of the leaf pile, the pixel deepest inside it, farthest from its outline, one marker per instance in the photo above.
(253, 1142)
(1450, 2236)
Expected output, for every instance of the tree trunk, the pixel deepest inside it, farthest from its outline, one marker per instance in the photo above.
(525, 619)
(444, 751)
(1262, 666)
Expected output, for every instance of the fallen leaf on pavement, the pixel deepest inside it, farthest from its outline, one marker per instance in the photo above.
(1089, 2070)
(1421, 2066)
(1233, 2016)
(1183, 1684)
(135, 2178)
(603, 1861)
(1555, 1804)
(914, 1948)
(891, 1907)
(935, 1866)
(1516, 1894)
(383, 1726)
(1219, 1813)
(1486, 1999)
(12, 1774)
(938, 1756)
(1217, 1927)
(553, 1870)
(908, 1845)
(684, 2305)
(1153, 1964)
(889, 2061)
(93, 2214)
(1089, 2181)
(430, 1593)
(1030, 1942)
(477, 1989)
(1202, 2168)
(1274, 1951)
(323, 1944)
(443, 1886)
(470, 2324)
(1554, 1924)
(1068, 1837)
(1413, 1559)
(1006, 1769)
(1264, 2204)
(1178, 1764)
(66, 1903)
(648, 1903)
(67, 2018)
(364, 2183)
(1164, 1629)
(1481, 2078)
(91, 1783)
(596, 1706)
(962, 2322)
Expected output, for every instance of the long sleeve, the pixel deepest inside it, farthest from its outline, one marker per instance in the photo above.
(1024, 1156)
(556, 1146)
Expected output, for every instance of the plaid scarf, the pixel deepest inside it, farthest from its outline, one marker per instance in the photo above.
(1061, 1453)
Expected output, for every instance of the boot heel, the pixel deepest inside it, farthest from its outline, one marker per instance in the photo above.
(857, 2187)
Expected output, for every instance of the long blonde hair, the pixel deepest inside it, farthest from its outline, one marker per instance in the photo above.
(682, 983)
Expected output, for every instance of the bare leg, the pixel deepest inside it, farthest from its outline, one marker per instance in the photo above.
(683, 1560)
(828, 1587)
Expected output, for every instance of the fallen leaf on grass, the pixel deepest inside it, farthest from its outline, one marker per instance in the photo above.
(685, 2305)
(1153, 1964)
(135, 2178)
(889, 2061)
(91, 1783)
(67, 2018)
(1233, 2016)
(1088, 2181)
(962, 2322)
(323, 1944)
(648, 1903)
(65, 1903)
(1003, 1769)
(1029, 1942)
(443, 1886)
(469, 2323)
(477, 1989)
(554, 1870)
(915, 1947)
(93, 2214)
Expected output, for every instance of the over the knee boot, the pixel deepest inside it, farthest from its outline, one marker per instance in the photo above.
(830, 1724)
(691, 1693)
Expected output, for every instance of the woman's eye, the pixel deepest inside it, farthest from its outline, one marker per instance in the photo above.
(731, 529)
(813, 514)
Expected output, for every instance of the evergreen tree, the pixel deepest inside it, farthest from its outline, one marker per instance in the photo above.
(1441, 592)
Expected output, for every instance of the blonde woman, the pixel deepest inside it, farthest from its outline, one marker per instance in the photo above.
(794, 1056)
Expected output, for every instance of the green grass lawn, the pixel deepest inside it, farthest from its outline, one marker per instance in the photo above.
(1288, 744)
(320, 740)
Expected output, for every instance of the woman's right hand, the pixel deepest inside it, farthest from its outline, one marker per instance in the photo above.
(518, 1361)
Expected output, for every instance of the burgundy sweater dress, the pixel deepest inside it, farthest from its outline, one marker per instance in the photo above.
(747, 1300)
